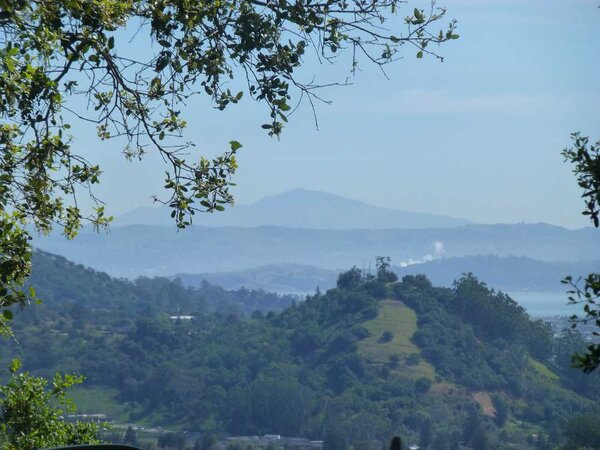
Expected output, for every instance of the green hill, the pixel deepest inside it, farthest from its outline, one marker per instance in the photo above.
(351, 366)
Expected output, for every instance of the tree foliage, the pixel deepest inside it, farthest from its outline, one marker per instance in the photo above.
(585, 158)
(583, 432)
(384, 272)
(32, 416)
(63, 62)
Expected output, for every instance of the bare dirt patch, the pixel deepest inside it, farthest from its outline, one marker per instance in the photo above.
(485, 401)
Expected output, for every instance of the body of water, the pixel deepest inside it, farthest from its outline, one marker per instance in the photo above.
(545, 304)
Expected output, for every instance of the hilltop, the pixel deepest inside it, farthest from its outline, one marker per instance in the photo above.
(300, 208)
(356, 364)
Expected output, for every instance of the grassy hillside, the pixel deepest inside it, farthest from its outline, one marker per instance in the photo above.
(401, 322)
(100, 400)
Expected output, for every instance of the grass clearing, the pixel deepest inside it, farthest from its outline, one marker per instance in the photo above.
(401, 321)
(543, 370)
(99, 400)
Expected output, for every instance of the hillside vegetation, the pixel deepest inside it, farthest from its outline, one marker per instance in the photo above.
(351, 366)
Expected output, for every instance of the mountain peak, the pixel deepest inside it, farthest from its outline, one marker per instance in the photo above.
(303, 208)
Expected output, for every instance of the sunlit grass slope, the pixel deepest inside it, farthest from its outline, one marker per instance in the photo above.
(99, 400)
(401, 321)
(543, 371)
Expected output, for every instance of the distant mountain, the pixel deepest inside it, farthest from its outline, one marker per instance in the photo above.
(154, 250)
(281, 278)
(300, 208)
(510, 273)
(506, 273)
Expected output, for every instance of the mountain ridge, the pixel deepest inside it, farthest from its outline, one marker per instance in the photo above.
(147, 250)
(301, 208)
(508, 273)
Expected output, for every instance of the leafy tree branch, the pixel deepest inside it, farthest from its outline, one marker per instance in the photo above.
(585, 158)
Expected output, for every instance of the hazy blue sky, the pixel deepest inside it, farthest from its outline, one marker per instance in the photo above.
(478, 136)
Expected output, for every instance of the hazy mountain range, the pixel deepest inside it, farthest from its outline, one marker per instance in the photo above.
(300, 208)
(505, 273)
(281, 278)
(296, 241)
(135, 250)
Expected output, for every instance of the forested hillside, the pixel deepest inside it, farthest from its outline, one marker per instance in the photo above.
(354, 365)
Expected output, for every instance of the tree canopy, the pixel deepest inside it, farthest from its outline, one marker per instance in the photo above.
(32, 414)
(585, 158)
(64, 62)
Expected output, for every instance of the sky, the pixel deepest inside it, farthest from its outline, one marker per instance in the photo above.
(477, 136)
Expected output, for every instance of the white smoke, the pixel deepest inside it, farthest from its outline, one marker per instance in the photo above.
(438, 251)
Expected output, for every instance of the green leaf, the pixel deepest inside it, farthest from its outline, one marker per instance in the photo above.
(15, 365)
(420, 54)
(7, 314)
(235, 145)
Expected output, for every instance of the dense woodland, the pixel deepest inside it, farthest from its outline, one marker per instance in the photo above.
(371, 358)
